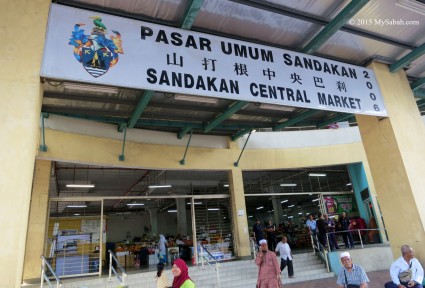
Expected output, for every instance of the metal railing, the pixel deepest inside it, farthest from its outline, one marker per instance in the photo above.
(217, 265)
(253, 247)
(359, 233)
(121, 278)
(44, 276)
(320, 250)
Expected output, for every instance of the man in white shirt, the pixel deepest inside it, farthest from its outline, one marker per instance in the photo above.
(406, 271)
(285, 256)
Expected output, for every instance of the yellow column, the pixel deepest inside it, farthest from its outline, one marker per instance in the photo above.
(22, 30)
(38, 220)
(239, 216)
(396, 154)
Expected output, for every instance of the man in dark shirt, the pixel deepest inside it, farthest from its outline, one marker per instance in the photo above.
(258, 231)
(323, 229)
(271, 235)
(344, 223)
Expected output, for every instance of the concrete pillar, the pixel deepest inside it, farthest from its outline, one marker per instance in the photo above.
(395, 151)
(37, 223)
(23, 26)
(277, 210)
(181, 216)
(239, 216)
(153, 218)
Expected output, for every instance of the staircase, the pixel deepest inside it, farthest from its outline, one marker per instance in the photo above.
(235, 274)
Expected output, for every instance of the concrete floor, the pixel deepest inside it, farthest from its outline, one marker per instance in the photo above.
(377, 280)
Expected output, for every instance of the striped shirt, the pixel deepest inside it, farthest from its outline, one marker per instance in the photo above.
(356, 276)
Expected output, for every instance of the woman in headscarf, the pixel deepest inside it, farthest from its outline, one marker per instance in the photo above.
(162, 251)
(181, 275)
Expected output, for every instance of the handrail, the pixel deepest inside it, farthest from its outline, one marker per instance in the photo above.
(321, 251)
(344, 231)
(253, 247)
(217, 265)
(112, 269)
(45, 263)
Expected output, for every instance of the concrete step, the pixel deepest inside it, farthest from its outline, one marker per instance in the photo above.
(232, 274)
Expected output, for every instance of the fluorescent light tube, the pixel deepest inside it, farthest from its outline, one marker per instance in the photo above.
(250, 216)
(314, 200)
(89, 88)
(195, 203)
(348, 184)
(159, 186)
(288, 184)
(270, 211)
(290, 206)
(290, 216)
(213, 209)
(284, 201)
(172, 211)
(317, 174)
(76, 206)
(300, 213)
(226, 185)
(135, 204)
(276, 107)
(80, 185)
(76, 214)
(196, 99)
(261, 207)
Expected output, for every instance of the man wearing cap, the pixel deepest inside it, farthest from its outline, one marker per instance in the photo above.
(406, 271)
(351, 275)
(268, 272)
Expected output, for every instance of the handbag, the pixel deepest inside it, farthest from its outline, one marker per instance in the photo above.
(349, 285)
(406, 276)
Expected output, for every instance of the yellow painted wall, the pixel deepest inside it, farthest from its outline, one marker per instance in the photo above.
(396, 153)
(22, 30)
(37, 219)
(70, 147)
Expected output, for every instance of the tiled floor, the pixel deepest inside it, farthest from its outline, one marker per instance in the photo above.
(377, 280)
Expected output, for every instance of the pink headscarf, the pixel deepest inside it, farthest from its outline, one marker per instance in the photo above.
(184, 275)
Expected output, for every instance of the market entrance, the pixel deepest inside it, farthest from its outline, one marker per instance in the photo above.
(133, 208)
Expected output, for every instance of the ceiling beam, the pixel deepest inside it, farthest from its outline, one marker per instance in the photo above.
(421, 103)
(339, 21)
(300, 117)
(409, 58)
(141, 106)
(338, 118)
(301, 15)
(417, 84)
(240, 134)
(419, 93)
(184, 131)
(232, 109)
(192, 11)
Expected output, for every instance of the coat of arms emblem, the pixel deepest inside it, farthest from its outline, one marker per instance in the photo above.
(96, 52)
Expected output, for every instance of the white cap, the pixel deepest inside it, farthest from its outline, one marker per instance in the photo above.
(345, 254)
(263, 241)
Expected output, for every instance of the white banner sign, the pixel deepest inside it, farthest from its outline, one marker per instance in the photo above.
(97, 48)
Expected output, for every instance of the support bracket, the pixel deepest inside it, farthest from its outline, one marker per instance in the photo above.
(121, 157)
(182, 162)
(43, 146)
(236, 164)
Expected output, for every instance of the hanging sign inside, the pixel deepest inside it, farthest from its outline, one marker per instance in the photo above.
(92, 47)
